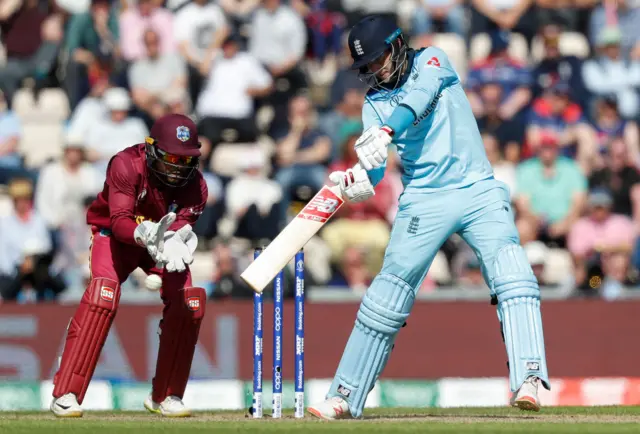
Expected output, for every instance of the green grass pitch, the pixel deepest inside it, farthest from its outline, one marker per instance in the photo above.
(581, 420)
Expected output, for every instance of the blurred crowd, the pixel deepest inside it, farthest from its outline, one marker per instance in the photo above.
(554, 85)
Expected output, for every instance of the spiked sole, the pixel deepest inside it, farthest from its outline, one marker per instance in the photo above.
(527, 403)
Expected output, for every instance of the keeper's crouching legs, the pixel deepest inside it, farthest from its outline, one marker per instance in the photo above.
(179, 329)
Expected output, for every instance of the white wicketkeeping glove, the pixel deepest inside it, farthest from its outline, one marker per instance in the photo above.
(371, 146)
(179, 247)
(151, 235)
(354, 183)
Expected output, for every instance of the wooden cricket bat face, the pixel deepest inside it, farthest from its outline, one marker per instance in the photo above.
(293, 237)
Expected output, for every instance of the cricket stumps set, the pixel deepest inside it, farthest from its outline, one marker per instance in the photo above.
(278, 322)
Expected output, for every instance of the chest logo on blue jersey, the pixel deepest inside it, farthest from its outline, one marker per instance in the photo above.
(182, 133)
(430, 108)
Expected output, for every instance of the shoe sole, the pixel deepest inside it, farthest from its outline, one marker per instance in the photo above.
(69, 415)
(316, 413)
(527, 403)
(160, 412)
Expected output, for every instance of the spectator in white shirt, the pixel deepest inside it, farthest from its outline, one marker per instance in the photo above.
(252, 199)
(25, 248)
(90, 110)
(199, 29)
(116, 131)
(612, 73)
(278, 39)
(64, 184)
(227, 101)
(154, 77)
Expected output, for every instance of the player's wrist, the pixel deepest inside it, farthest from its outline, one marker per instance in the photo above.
(387, 129)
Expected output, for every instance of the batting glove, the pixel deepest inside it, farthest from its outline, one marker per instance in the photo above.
(371, 146)
(354, 183)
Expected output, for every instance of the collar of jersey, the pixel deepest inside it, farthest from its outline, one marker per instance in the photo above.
(411, 55)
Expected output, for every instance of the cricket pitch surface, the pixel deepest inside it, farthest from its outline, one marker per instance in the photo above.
(581, 420)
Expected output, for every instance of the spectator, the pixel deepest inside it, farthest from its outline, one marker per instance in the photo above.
(498, 88)
(503, 170)
(72, 258)
(32, 38)
(64, 184)
(537, 253)
(555, 114)
(609, 126)
(138, 20)
(448, 13)
(252, 202)
(235, 79)
(207, 225)
(509, 15)
(90, 110)
(467, 269)
(115, 132)
(625, 14)
(92, 45)
(156, 76)
(278, 39)
(555, 67)
(612, 72)
(557, 12)
(11, 163)
(25, 248)
(550, 192)
(239, 11)
(325, 29)
(303, 152)
(361, 225)
(601, 235)
(200, 27)
(347, 111)
(621, 178)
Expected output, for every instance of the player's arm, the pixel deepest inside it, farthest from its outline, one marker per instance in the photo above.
(434, 74)
(121, 179)
(190, 214)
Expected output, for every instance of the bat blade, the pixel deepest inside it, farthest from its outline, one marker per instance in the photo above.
(293, 237)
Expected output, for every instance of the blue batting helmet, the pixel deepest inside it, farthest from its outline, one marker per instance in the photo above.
(370, 38)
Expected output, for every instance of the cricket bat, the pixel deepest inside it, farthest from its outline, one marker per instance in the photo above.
(293, 237)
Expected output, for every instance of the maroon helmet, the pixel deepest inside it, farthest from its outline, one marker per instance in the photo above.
(173, 149)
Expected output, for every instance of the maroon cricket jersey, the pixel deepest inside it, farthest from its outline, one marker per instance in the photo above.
(132, 194)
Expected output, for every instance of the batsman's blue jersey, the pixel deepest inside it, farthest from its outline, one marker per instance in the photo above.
(442, 148)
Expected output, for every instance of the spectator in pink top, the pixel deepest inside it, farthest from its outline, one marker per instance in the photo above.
(601, 242)
(135, 21)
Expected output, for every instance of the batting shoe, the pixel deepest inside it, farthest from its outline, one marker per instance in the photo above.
(526, 398)
(172, 406)
(66, 406)
(331, 409)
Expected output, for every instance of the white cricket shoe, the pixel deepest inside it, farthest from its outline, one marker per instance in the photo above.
(526, 398)
(66, 406)
(172, 406)
(331, 409)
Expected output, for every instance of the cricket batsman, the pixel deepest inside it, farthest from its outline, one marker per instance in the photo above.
(416, 101)
(152, 195)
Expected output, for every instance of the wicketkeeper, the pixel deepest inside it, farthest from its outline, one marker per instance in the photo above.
(152, 195)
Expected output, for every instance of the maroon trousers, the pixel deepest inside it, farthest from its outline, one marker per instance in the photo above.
(111, 263)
